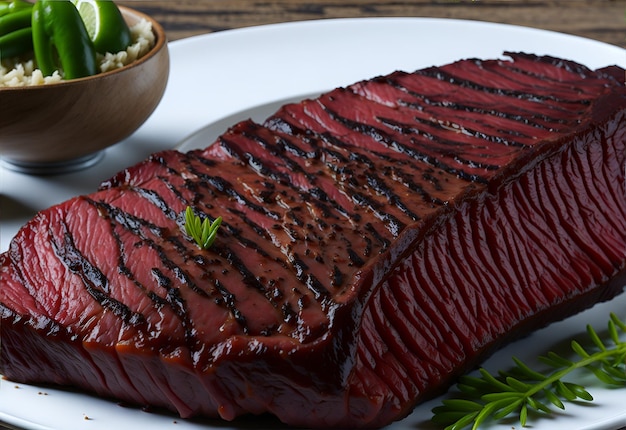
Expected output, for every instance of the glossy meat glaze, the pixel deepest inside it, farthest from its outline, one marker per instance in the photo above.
(377, 242)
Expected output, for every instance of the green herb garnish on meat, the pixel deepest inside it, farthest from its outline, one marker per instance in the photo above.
(202, 231)
(522, 389)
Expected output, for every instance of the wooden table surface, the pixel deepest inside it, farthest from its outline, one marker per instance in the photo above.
(603, 20)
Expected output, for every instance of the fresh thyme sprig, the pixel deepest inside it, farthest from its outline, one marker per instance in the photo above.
(202, 231)
(523, 389)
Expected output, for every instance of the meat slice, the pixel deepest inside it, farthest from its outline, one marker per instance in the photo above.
(377, 242)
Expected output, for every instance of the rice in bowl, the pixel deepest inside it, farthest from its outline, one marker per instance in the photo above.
(22, 72)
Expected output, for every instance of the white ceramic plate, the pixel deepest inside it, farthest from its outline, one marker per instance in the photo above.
(220, 78)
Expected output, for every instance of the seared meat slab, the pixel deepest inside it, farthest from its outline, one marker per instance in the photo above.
(377, 242)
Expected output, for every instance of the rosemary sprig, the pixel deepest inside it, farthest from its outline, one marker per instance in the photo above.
(522, 389)
(202, 231)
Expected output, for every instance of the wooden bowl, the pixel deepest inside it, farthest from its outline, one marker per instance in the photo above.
(64, 126)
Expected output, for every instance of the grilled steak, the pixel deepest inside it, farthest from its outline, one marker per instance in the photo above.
(377, 242)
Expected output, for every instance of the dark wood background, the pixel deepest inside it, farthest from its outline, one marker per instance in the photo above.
(603, 20)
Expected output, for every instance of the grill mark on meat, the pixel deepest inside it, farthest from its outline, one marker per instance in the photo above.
(549, 82)
(311, 282)
(416, 155)
(248, 277)
(320, 198)
(380, 136)
(559, 63)
(258, 165)
(222, 185)
(260, 231)
(338, 277)
(384, 242)
(409, 129)
(178, 305)
(442, 75)
(300, 269)
(156, 200)
(175, 301)
(355, 258)
(126, 271)
(520, 118)
(229, 299)
(381, 187)
(444, 138)
(94, 281)
(133, 225)
(195, 196)
(491, 74)
(342, 170)
(525, 116)
(278, 151)
(528, 64)
(391, 222)
(165, 283)
(407, 179)
(286, 145)
(331, 140)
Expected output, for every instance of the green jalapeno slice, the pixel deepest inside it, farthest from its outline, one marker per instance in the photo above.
(16, 43)
(61, 41)
(7, 7)
(15, 31)
(15, 21)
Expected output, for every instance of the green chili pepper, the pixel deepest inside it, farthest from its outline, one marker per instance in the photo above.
(15, 28)
(61, 41)
(16, 43)
(105, 24)
(15, 21)
(7, 7)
